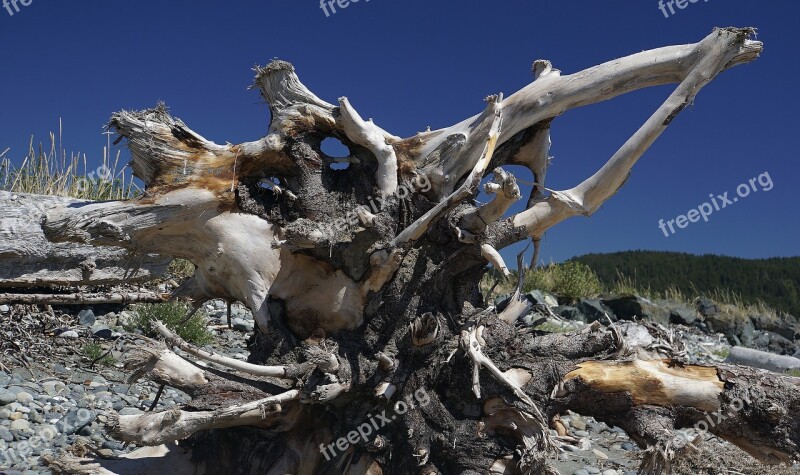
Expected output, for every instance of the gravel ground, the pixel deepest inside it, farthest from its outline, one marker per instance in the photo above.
(52, 400)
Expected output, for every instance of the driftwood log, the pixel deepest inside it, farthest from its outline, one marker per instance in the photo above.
(374, 352)
(29, 259)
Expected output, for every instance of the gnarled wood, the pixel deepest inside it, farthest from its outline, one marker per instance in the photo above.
(365, 284)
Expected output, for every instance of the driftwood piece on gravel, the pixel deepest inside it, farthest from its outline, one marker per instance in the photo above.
(29, 259)
(92, 298)
(761, 359)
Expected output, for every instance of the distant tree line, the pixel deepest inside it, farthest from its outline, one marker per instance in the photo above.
(775, 281)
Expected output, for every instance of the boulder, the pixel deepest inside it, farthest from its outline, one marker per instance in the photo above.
(679, 314)
(542, 298)
(631, 307)
(734, 324)
(594, 310)
(569, 312)
(706, 306)
(786, 326)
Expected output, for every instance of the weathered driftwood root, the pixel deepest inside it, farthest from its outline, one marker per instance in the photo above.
(379, 265)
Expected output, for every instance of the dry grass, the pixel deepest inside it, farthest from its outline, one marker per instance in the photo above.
(52, 172)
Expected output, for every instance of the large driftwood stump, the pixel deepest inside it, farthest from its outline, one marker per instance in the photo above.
(374, 351)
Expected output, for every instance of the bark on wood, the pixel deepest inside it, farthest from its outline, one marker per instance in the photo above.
(365, 283)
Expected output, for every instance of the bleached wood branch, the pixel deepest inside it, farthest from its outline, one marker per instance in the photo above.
(715, 53)
(490, 254)
(248, 368)
(445, 153)
(155, 429)
(371, 137)
(470, 185)
(163, 366)
(506, 192)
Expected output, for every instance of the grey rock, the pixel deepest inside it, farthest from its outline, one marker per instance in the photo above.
(594, 310)
(86, 317)
(679, 314)
(53, 388)
(631, 307)
(706, 306)
(629, 446)
(542, 298)
(590, 469)
(20, 424)
(580, 472)
(785, 325)
(101, 331)
(24, 397)
(69, 334)
(4, 414)
(733, 324)
(7, 397)
(5, 309)
(242, 325)
(568, 312)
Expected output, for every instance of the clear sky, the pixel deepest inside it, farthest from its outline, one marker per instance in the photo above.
(420, 63)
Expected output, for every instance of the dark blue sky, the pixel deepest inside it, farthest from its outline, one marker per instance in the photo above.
(417, 63)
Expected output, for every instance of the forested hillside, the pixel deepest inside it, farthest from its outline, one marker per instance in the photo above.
(776, 281)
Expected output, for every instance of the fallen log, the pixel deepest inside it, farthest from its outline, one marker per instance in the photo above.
(29, 259)
(741, 355)
(84, 298)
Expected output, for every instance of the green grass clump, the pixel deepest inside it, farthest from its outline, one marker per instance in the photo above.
(170, 314)
(95, 352)
(569, 281)
(721, 353)
(52, 172)
(793, 372)
(180, 269)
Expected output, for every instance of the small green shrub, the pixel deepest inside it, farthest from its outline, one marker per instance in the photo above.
(170, 314)
(94, 351)
(721, 352)
(793, 372)
(569, 281)
(180, 269)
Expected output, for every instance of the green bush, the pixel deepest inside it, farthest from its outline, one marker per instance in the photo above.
(569, 281)
(94, 351)
(170, 314)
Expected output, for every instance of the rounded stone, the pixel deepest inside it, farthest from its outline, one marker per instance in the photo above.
(20, 424)
(24, 397)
